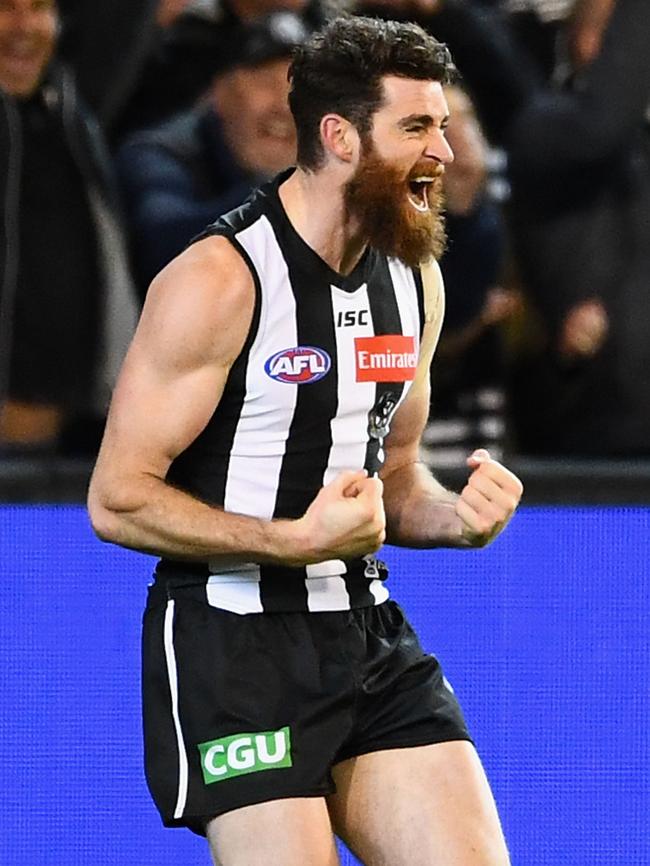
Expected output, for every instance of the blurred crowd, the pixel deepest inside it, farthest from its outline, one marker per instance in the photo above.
(128, 125)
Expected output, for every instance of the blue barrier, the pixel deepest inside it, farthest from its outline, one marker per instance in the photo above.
(544, 636)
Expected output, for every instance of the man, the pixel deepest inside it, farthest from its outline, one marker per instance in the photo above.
(66, 314)
(199, 44)
(285, 695)
(181, 175)
(580, 176)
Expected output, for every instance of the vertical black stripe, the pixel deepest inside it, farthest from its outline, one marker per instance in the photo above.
(419, 289)
(310, 438)
(282, 588)
(386, 320)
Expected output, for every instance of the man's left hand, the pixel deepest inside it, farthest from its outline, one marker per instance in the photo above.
(488, 500)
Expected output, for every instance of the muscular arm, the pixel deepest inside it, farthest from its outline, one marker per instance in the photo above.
(193, 326)
(420, 512)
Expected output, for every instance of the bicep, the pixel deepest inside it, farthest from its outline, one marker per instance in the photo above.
(191, 330)
(157, 412)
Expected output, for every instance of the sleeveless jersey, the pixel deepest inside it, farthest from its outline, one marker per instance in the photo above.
(327, 360)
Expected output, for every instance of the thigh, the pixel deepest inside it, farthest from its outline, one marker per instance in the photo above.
(291, 832)
(418, 807)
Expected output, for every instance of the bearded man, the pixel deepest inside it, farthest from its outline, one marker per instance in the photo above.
(263, 441)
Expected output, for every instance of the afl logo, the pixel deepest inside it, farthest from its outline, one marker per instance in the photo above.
(299, 366)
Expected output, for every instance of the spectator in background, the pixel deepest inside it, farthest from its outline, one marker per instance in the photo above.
(66, 314)
(185, 173)
(538, 26)
(580, 169)
(469, 378)
(198, 45)
(110, 44)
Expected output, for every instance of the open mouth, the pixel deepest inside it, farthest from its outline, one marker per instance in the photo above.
(418, 194)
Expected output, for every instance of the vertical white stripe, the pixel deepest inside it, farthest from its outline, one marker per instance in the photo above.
(260, 439)
(173, 688)
(406, 296)
(349, 428)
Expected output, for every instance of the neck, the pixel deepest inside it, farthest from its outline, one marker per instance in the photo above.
(315, 206)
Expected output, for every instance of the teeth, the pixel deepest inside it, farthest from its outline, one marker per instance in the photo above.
(421, 206)
(422, 179)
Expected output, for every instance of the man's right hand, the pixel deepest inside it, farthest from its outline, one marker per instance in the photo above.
(346, 519)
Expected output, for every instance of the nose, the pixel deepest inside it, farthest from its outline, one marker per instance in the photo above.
(438, 147)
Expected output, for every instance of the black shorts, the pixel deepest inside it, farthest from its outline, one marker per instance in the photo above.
(244, 709)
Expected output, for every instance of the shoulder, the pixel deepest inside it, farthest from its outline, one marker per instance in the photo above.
(202, 303)
(242, 217)
(212, 267)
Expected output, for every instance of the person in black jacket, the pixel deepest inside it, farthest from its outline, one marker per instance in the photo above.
(66, 309)
(182, 59)
(186, 172)
(110, 47)
(580, 171)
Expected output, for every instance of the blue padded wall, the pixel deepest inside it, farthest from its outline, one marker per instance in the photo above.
(544, 635)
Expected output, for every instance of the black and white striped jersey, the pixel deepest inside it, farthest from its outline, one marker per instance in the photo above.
(323, 351)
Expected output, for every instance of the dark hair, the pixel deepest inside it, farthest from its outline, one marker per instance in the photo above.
(341, 67)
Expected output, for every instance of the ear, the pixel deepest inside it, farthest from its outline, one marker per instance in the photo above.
(339, 137)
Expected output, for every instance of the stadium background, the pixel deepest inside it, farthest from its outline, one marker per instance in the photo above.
(544, 636)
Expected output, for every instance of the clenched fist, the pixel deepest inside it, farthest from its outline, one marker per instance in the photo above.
(346, 518)
(488, 500)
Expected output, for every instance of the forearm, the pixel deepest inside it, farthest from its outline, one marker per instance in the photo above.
(420, 512)
(154, 517)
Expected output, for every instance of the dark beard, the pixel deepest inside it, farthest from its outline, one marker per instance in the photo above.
(377, 197)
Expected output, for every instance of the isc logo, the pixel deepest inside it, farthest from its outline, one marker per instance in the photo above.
(349, 318)
(300, 365)
(240, 754)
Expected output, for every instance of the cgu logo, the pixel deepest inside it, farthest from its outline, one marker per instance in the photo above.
(300, 365)
(240, 754)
